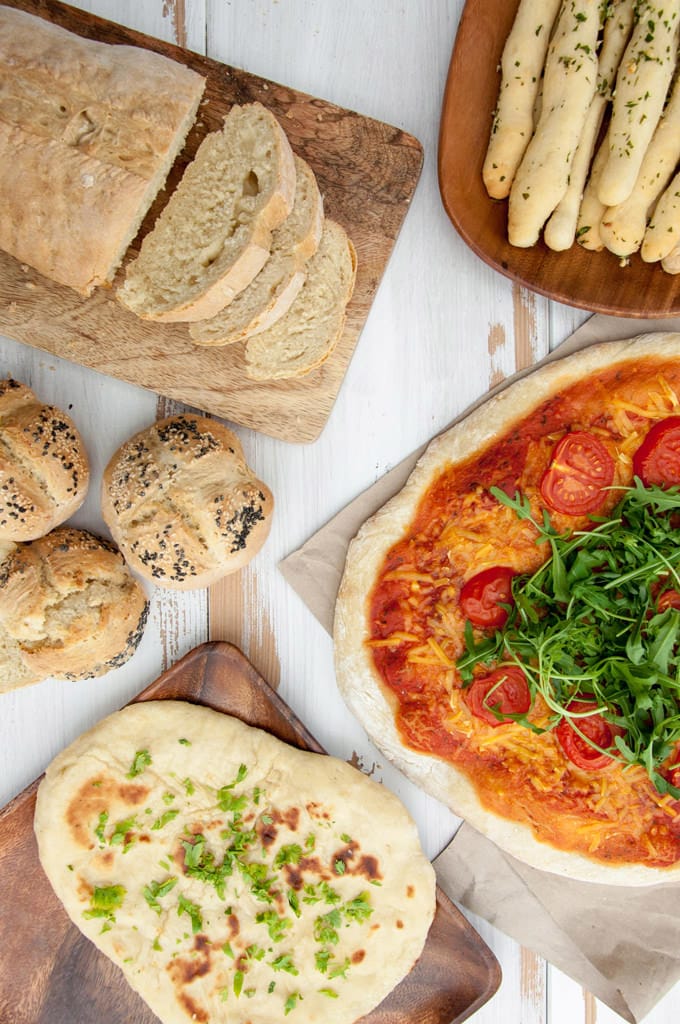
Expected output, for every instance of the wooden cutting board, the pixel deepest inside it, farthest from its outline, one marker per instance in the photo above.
(367, 172)
(51, 974)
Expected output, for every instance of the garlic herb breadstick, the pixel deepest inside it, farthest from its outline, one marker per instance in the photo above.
(560, 230)
(623, 227)
(590, 214)
(521, 68)
(641, 89)
(569, 85)
(663, 232)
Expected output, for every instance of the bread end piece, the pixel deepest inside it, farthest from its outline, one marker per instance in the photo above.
(305, 337)
(89, 133)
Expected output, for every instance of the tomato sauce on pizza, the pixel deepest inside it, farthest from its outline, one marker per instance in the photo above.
(453, 569)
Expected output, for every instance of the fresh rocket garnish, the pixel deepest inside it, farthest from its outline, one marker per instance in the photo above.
(597, 622)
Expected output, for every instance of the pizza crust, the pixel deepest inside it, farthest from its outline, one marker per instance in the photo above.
(361, 687)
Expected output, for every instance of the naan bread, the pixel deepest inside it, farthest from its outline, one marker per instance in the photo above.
(360, 684)
(230, 876)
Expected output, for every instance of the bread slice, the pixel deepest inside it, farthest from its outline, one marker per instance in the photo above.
(88, 133)
(305, 337)
(270, 294)
(214, 235)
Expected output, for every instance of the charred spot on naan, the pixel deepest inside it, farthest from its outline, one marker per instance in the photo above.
(97, 796)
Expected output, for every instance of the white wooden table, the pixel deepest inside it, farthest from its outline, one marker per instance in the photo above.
(442, 329)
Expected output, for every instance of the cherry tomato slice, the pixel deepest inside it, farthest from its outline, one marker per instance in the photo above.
(482, 596)
(657, 460)
(671, 771)
(669, 599)
(580, 468)
(673, 775)
(594, 728)
(506, 689)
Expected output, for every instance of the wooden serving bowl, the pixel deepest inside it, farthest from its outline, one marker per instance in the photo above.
(590, 280)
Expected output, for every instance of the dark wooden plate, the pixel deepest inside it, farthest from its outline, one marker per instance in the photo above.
(367, 172)
(577, 277)
(51, 974)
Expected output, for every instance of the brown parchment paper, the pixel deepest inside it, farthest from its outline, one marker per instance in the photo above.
(622, 944)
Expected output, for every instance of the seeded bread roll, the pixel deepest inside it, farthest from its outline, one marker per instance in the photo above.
(88, 133)
(44, 470)
(307, 334)
(214, 235)
(13, 672)
(271, 293)
(182, 504)
(71, 605)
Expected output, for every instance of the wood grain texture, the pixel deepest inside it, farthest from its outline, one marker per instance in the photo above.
(51, 974)
(367, 172)
(589, 280)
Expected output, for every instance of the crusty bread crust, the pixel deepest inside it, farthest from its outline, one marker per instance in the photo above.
(44, 470)
(358, 681)
(182, 504)
(71, 605)
(88, 133)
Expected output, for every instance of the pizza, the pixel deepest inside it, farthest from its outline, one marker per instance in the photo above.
(508, 625)
(231, 876)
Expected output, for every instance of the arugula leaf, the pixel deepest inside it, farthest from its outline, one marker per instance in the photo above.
(586, 623)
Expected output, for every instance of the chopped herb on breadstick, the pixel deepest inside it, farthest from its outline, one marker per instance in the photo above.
(560, 230)
(521, 69)
(641, 88)
(623, 227)
(569, 85)
(663, 232)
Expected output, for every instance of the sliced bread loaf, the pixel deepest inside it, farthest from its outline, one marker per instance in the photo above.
(307, 334)
(88, 133)
(214, 234)
(270, 294)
